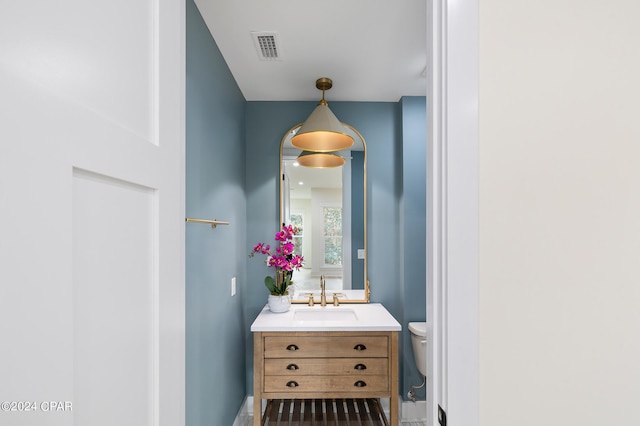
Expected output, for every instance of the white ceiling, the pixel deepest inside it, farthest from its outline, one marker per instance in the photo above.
(373, 50)
(303, 179)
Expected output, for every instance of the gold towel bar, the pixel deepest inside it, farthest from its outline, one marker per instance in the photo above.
(212, 222)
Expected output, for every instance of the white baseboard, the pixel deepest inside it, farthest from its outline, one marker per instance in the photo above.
(413, 410)
(246, 411)
(408, 410)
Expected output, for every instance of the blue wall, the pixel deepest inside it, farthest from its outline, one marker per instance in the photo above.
(231, 174)
(413, 228)
(215, 363)
(357, 213)
(395, 134)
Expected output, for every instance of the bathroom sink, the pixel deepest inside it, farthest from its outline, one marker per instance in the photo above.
(354, 317)
(325, 314)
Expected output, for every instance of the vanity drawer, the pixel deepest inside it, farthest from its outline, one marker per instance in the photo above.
(326, 346)
(326, 366)
(305, 384)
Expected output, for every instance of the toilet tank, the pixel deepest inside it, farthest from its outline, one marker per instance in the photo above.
(418, 332)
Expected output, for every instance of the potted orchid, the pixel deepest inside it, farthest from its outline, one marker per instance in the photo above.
(284, 261)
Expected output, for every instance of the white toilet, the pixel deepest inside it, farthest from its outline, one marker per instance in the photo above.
(419, 343)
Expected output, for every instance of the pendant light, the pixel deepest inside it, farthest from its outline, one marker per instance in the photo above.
(320, 160)
(322, 131)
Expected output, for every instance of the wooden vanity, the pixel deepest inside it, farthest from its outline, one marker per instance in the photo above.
(300, 360)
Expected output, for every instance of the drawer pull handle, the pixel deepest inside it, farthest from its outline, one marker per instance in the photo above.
(292, 348)
(292, 384)
(360, 367)
(359, 347)
(292, 367)
(359, 384)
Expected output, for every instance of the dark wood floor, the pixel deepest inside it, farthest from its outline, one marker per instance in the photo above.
(324, 412)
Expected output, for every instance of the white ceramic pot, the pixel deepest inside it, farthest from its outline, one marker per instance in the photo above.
(279, 304)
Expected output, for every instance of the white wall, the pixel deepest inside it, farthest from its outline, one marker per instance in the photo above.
(559, 212)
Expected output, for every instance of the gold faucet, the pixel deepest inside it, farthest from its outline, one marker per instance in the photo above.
(323, 294)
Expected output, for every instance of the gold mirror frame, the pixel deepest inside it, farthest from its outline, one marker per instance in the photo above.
(367, 290)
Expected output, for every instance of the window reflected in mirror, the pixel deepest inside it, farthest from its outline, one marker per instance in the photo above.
(332, 221)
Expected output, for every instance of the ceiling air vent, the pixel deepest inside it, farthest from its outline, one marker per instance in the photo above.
(267, 45)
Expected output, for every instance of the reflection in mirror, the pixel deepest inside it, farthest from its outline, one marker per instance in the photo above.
(328, 205)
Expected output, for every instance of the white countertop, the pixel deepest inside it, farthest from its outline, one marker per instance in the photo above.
(346, 317)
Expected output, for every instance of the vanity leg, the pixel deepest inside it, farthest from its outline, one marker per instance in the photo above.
(258, 365)
(393, 361)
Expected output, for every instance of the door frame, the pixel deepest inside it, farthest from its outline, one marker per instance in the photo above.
(452, 206)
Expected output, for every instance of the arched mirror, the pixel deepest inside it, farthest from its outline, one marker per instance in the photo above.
(329, 205)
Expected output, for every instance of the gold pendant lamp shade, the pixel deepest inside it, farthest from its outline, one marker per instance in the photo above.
(322, 131)
(320, 160)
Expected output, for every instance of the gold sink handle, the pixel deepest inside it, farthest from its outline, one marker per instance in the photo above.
(336, 301)
(311, 302)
